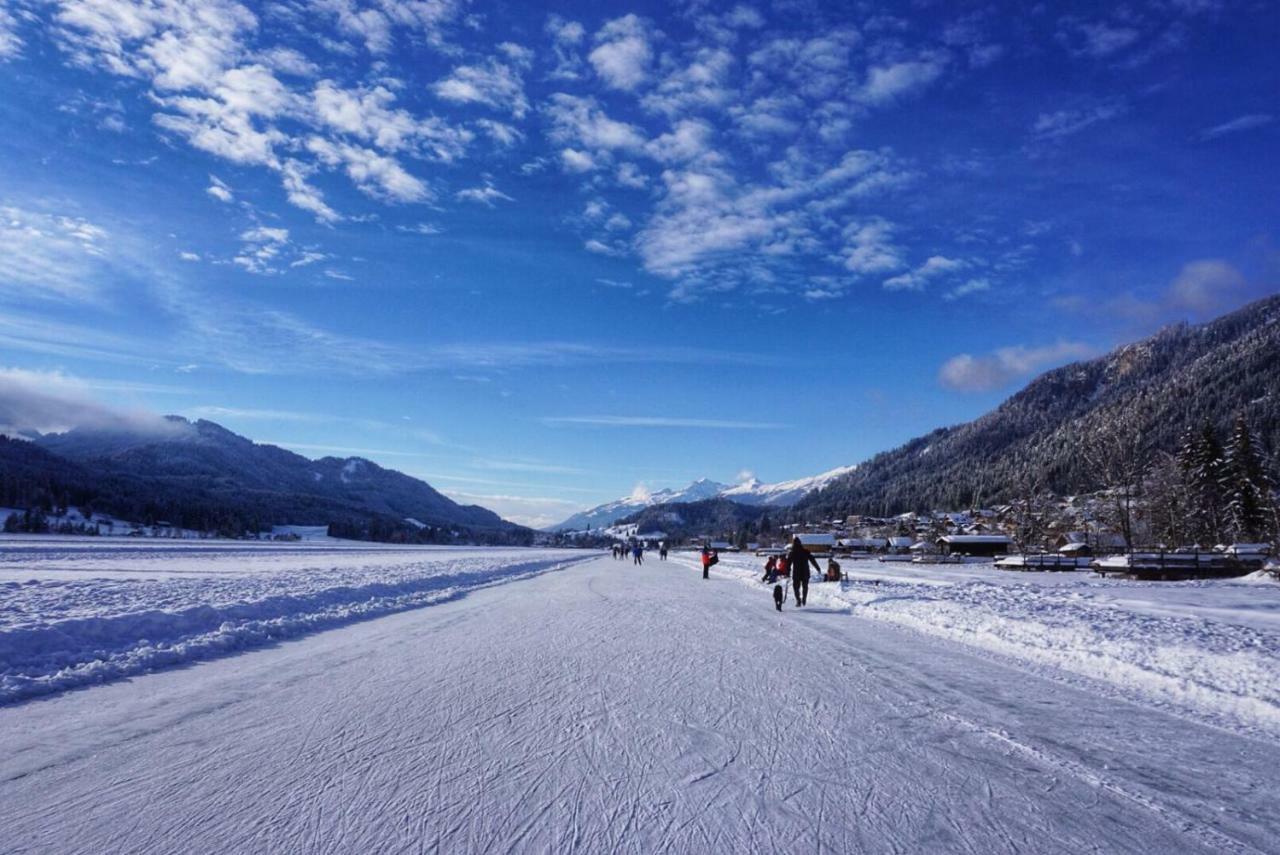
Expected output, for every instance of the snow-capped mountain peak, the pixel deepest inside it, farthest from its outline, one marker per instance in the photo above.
(785, 493)
(752, 491)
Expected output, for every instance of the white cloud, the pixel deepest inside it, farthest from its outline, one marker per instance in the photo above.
(1206, 287)
(1062, 123)
(933, 267)
(219, 190)
(623, 52)
(869, 247)
(500, 132)
(565, 35)
(215, 84)
(1237, 125)
(703, 84)
(368, 115)
(486, 195)
(51, 256)
(629, 175)
(972, 286)
(894, 81)
(10, 44)
(967, 373)
(262, 250)
(600, 247)
(375, 23)
(1096, 39)
(378, 175)
(576, 161)
(581, 121)
(688, 140)
(495, 84)
(427, 229)
(53, 402)
(301, 194)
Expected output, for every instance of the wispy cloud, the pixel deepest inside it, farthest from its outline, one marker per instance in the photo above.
(1237, 125)
(658, 422)
(52, 256)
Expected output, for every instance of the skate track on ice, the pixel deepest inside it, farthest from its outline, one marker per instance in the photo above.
(612, 708)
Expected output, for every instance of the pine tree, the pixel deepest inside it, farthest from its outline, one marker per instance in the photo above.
(1246, 486)
(1201, 459)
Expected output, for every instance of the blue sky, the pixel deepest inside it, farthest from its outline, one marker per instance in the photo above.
(541, 255)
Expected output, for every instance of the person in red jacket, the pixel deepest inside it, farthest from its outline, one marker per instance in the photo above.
(709, 557)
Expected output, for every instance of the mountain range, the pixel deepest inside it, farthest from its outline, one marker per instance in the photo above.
(199, 475)
(752, 492)
(1142, 396)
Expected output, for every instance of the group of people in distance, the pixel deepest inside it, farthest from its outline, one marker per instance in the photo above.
(636, 551)
(795, 562)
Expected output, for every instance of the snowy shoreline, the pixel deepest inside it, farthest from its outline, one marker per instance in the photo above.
(1210, 649)
(82, 614)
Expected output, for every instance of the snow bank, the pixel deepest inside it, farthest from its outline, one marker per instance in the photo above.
(58, 633)
(1211, 648)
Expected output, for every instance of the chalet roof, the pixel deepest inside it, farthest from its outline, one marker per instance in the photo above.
(974, 538)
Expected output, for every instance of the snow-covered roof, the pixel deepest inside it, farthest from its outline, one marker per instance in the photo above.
(863, 541)
(817, 539)
(975, 538)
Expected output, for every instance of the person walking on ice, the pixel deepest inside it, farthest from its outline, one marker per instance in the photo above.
(709, 557)
(801, 558)
(637, 552)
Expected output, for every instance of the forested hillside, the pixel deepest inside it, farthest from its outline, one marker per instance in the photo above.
(1068, 426)
(199, 475)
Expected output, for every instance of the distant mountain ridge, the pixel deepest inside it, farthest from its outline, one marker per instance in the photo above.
(202, 476)
(753, 493)
(1152, 390)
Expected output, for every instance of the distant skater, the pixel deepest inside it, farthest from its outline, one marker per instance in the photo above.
(709, 557)
(637, 552)
(662, 551)
(801, 558)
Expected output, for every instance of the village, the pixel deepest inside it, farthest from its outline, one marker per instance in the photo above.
(1072, 533)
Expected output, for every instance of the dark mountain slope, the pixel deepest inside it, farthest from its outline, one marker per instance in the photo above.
(200, 475)
(1152, 390)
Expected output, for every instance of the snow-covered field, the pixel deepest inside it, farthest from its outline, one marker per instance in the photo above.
(1208, 649)
(75, 611)
(611, 708)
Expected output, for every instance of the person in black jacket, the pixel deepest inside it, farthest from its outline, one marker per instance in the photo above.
(801, 558)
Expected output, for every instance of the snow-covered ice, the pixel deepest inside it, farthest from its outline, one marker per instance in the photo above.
(75, 611)
(614, 708)
(1210, 649)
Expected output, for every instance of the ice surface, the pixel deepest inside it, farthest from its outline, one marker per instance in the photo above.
(616, 709)
(1210, 649)
(75, 611)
